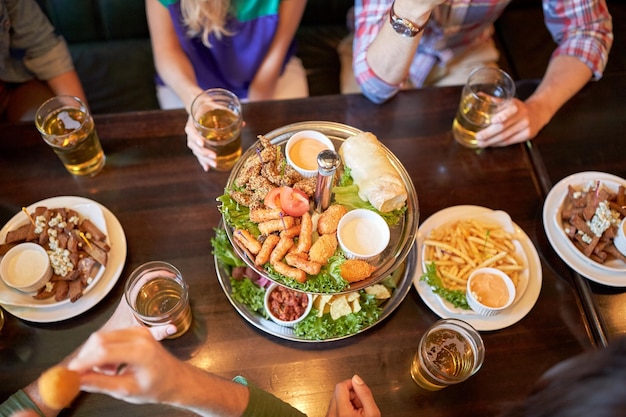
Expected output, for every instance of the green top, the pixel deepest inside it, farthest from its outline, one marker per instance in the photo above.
(260, 404)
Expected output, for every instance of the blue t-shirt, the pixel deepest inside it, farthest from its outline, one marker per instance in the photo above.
(233, 61)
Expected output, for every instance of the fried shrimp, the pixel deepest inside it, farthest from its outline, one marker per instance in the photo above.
(58, 386)
(354, 270)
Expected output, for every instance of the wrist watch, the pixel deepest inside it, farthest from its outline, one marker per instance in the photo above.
(403, 26)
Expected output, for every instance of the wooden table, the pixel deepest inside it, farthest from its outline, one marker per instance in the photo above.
(588, 135)
(166, 205)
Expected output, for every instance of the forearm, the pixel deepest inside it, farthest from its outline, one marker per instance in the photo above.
(390, 54)
(564, 77)
(67, 83)
(208, 395)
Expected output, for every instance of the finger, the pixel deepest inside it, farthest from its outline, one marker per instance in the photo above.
(505, 113)
(163, 331)
(516, 133)
(365, 396)
(343, 398)
(25, 413)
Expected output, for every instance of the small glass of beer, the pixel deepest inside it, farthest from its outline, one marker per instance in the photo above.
(449, 352)
(486, 91)
(157, 295)
(66, 125)
(217, 116)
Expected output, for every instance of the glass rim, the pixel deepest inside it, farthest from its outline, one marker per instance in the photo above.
(229, 95)
(39, 119)
(506, 82)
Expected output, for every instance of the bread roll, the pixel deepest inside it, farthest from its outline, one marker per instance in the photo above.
(378, 181)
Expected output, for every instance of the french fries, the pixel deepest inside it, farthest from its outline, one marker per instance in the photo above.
(462, 246)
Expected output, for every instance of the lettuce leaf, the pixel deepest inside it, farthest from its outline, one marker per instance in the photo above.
(328, 280)
(455, 297)
(346, 193)
(236, 215)
(248, 293)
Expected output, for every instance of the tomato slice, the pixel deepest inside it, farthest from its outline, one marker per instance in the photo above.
(294, 202)
(272, 199)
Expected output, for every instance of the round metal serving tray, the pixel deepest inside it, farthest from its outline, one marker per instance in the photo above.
(287, 333)
(402, 234)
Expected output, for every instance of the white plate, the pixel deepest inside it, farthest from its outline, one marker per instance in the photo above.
(611, 276)
(99, 289)
(10, 296)
(522, 305)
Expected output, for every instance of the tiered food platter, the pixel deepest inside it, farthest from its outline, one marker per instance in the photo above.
(398, 259)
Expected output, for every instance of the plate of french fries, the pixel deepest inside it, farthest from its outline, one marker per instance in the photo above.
(580, 214)
(454, 242)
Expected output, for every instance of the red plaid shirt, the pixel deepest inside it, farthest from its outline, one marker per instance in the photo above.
(581, 28)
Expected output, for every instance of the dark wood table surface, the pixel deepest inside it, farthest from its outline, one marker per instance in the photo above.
(167, 207)
(589, 134)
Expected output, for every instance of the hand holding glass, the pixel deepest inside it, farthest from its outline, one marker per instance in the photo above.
(66, 125)
(485, 93)
(217, 117)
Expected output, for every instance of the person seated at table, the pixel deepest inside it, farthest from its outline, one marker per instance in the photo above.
(245, 47)
(439, 42)
(150, 374)
(35, 63)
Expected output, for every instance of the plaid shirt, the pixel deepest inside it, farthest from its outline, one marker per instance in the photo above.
(581, 28)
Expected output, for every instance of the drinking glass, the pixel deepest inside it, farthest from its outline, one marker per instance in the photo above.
(486, 91)
(66, 125)
(217, 117)
(449, 352)
(157, 295)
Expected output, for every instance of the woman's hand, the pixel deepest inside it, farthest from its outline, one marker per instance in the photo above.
(147, 373)
(517, 122)
(352, 398)
(195, 142)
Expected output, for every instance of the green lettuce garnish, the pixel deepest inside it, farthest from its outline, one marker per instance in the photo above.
(328, 280)
(347, 194)
(455, 297)
(237, 215)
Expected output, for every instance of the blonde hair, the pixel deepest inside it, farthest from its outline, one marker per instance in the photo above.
(206, 17)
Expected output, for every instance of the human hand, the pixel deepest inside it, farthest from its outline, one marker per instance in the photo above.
(352, 398)
(25, 413)
(123, 318)
(149, 373)
(206, 157)
(518, 121)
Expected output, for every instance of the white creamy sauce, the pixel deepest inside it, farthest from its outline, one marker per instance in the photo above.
(361, 236)
(27, 266)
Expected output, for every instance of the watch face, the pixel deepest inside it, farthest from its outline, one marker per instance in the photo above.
(401, 29)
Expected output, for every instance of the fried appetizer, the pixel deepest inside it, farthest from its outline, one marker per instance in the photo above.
(245, 239)
(329, 219)
(58, 387)
(323, 248)
(354, 270)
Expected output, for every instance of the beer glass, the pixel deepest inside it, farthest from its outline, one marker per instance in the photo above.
(217, 117)
(449, 352)
(486, 91)
(157, 295)
(66, 125)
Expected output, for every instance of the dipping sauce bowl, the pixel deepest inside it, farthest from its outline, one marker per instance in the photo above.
(362, 234)
(26, 267)
(285, 306)
(489, 291)
(302, 150)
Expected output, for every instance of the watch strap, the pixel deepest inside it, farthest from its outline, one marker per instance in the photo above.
(404, 26)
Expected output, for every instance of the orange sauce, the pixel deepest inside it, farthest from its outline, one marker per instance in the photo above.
(304, 153)
(489, 290)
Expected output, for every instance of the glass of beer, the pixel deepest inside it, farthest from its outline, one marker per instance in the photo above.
(449, 352)
(217, 116)
(66, 125)
(158, 295)
(486, 91)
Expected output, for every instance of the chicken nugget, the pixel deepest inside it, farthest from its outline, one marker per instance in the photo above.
(58, 386)
(354, 270)
(310, 267)
(323, 249)
(329, 219)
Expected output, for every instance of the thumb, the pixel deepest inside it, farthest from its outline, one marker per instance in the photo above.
(161, 332)
(364, 394)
